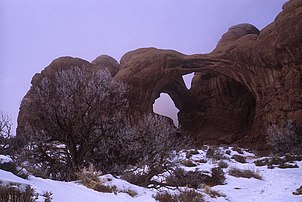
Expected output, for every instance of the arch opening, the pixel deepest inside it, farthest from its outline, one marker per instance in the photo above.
(188, 80)
(222, 109)
(165, 106)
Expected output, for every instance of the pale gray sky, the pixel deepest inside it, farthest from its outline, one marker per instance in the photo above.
(35, 32)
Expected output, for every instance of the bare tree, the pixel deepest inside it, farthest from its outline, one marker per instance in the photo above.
(154, 141)
(73, 112)
(6, 136)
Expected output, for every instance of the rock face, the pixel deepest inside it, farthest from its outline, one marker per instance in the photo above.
(252, 79)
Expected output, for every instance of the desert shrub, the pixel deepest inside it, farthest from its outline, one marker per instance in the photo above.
(228, 152)
(182, 178)
(47, 196)
(15, 194)
(291, 158)
(134, 178)
(214, 153)
(223, 164)
(201, 161)
(217, 177)
(190, 196)
(164, 197)
(237, 149)
(281, 162)
(189, 163)
(155, 142)
(184, 196)
(245, 173)
(287, 139)
(239, 158)
(261, 162)
(193, 179)
(286, 165)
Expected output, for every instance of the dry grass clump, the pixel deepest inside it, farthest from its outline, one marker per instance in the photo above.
(90, 179)
(217, 177)
(245, 173)
(223, 164)
(239, 158)
(261, 162)
(201, 161)
(281, 162)
(215, 153)
(15, 194)
(286, 165)
(184, 196)
(193, 179)
(189, 163)
(212, 193)
(237, 149)
(182, 178)
(130, 192)
(134, 178)
(228, 152)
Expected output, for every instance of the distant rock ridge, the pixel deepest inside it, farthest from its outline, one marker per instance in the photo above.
(252, 79)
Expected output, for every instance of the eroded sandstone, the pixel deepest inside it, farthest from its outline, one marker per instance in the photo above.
(252, 79)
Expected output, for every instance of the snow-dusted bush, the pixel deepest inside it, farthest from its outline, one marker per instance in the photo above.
(287, 139)
(153, 141)
(9, 144)
(73, 114)
(193, 179)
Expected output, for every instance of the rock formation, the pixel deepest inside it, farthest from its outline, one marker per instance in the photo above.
(252, 79)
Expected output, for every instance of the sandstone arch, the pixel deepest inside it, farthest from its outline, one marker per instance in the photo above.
(264, 66)
(250, 80)
(198, 114)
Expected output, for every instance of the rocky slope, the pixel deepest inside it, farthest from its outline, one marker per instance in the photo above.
(252, 79)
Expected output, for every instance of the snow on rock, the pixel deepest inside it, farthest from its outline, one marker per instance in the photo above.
(5, 159)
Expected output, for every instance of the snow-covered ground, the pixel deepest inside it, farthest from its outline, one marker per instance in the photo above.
(277, 184)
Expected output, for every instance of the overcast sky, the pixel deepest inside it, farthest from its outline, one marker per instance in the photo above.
(35, 32)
